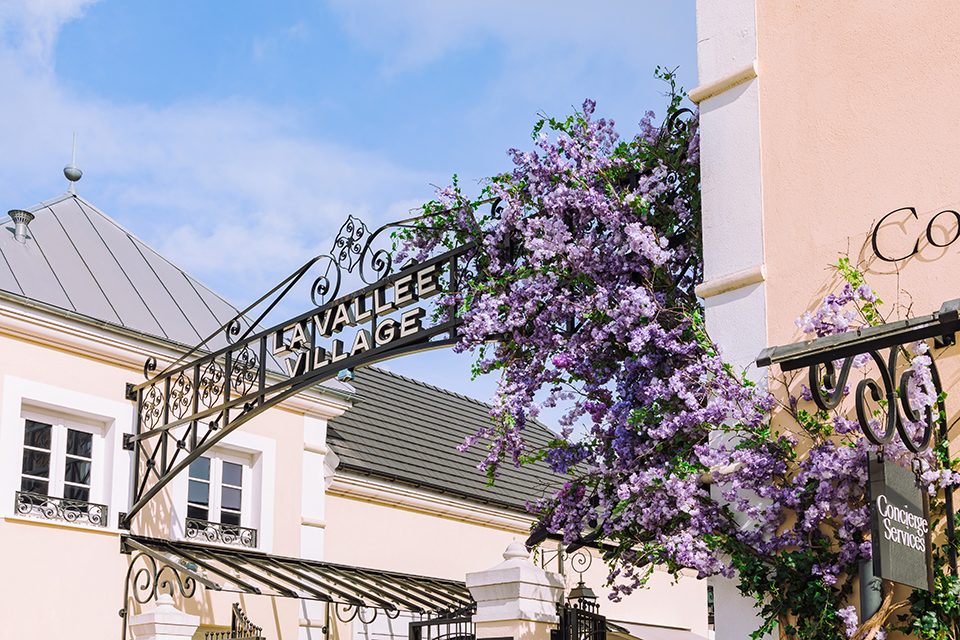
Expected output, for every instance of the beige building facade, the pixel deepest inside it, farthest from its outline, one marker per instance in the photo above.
(828, 130)
(341, 476)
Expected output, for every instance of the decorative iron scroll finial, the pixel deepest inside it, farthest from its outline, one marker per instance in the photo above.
(348, 246)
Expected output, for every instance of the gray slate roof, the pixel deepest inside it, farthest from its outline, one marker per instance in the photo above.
(408, 431)
(78, 259)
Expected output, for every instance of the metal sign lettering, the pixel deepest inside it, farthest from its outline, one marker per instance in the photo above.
(195, 402)
(950, 233)
(900, 525)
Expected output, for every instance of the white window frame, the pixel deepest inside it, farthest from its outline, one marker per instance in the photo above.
(217, 457)
(114, 416)
(257, 502)
(60, 423)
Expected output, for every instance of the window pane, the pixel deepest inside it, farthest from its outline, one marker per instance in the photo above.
(232, 474)
(230, 498)
(33, 486)
(200, 468)
(227, 517)
(77, 471)
(197, 512)
(198, 492)
(36, 463)
(37, 434)
(71, 492)
(79, 443)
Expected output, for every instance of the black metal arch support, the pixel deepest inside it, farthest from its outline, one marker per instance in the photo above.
(830, 359)
(942, 325)
(206, 394)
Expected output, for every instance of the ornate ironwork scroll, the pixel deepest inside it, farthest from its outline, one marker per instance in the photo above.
(193, 403)
(148, 577)
(828, 384)
(349, 612)
(37, 505)
(219, 533)
(578, 561)
(883, 406)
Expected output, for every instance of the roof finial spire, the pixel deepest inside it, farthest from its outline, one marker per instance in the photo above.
(72, 171)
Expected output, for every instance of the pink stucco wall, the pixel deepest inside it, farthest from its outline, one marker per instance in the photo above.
(858, 116)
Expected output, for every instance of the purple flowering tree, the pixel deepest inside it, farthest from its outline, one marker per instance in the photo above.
(584, 273)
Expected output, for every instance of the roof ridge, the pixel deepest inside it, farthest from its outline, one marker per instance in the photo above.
(432, 386)
(147, 245)
(34, 208)
(52, 201)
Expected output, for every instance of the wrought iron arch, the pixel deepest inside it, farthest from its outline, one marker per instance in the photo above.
(210, 391)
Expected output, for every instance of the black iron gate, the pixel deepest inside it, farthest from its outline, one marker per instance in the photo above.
(240, 628)
(580, 621)
(452, 625)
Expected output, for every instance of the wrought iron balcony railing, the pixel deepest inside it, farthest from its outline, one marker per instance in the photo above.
(37, 505)
(217, 532)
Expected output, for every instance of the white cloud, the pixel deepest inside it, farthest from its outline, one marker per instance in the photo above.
(412, 34)
(30, 26)
(264, 45)
(230, 190)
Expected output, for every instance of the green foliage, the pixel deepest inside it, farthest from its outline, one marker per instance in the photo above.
(935, 615)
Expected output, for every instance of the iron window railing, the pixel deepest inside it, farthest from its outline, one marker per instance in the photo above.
(38, 505)
(230, 534)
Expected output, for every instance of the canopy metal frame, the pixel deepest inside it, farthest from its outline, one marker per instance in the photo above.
(177, 568)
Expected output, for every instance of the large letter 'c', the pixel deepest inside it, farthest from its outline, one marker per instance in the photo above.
(876, 229)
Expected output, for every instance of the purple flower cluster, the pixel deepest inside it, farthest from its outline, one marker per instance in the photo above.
(595, 313)
(677, 459)
(837, 313)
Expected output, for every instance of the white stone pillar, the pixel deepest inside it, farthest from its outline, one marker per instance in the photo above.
(318, 465)
(164, 622)
(515, 599)
(313, 493)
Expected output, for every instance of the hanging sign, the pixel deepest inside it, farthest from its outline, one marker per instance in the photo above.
(900, 525)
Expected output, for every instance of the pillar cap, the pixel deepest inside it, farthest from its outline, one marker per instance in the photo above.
(516, 550)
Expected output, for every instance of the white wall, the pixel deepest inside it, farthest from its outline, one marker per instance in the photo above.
(733, 289)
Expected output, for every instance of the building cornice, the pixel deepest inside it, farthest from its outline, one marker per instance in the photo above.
(49, 327)
(724, 84)
(395, 495)
(732, 281)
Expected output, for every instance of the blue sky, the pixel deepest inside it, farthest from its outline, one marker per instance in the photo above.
(236, 136)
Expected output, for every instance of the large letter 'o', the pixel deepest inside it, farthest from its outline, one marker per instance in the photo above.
(930, 229)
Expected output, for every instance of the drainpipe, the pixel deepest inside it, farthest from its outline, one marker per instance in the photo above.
(869, 591)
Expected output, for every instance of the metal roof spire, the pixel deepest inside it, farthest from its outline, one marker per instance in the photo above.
(72, 171)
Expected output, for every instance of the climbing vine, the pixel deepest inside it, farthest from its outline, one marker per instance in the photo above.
(585, 272)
